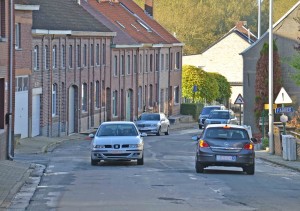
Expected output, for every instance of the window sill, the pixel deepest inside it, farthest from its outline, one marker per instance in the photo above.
(18, 49)
(3, 39)
(2, 131)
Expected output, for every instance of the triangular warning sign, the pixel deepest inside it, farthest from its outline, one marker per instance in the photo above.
(283, 97)
(239, 100)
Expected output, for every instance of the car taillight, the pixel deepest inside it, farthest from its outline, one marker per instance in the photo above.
(249, 147)
(203, 144)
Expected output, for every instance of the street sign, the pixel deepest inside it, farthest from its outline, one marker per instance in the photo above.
(283, 97)
(284, 110)
(195, 88)
(239, 100)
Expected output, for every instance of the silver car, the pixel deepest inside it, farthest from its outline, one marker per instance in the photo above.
(119, 140)
(205, 113)
(225, 145)
(221, 117)
(153, 123)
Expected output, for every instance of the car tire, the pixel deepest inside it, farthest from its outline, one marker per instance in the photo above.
(167, 132)
(94, 162)
(140, 161)
(200, 126)
(249, 169)
(158, 132)
(199, 167)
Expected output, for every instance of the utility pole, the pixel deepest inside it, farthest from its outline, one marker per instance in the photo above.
(259, 19)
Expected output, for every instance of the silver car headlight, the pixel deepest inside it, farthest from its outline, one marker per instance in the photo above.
(135, 145)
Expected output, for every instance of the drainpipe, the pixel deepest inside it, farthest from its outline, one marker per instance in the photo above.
(11, 157)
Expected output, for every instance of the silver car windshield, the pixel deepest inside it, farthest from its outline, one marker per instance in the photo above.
(226, 133)
(218, 115)
(117, 130)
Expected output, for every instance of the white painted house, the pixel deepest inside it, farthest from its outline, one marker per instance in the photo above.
(224, 57)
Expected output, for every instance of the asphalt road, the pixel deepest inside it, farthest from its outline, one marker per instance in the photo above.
(167, 181)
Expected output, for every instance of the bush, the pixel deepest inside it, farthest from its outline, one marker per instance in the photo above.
(265, 143)
(191, 109)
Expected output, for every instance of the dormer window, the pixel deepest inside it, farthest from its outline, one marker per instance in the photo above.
(144, 25)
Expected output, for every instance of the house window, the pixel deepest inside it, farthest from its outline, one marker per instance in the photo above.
(135, 63)
(171, 62)
(92, 55)
(162, 67)
(103, 93)
(140, 97)
(115, 66)
(141, 63)
(85, 55)
(84, 97)
(167, 61)
(54, 99)
(21, 84)
(176, 95)
(70, 56)
(128, 65)
(122, 65)
(78, 55)
(54, 57)
(157, 62)
(2, 96)
(63, 56)
(103, 53)
(2, 18)
(177, 61)
(151, 95)
(46, 57)
(17, 35)
(97, 94)
(98, 54)
(146, 61)
(151, 62)
(115, 103)
(36, 57)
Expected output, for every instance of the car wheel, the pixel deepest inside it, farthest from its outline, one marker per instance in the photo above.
(199, 167)
(167, 132)
(94, 162)
(200, 126)
(158, 132)
(249, 169)
(140, 161)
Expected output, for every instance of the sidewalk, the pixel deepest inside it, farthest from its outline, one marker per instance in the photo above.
(14, 174)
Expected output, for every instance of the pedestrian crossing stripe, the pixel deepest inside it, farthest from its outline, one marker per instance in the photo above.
(239, 100)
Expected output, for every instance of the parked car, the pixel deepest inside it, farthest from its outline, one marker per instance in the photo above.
(225, 145)
(221, 117)
(153, 123)
(119, 140)
(205, 113)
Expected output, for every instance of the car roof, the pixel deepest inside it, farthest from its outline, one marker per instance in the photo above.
(213, 106)
(116, 122)
(228, 125)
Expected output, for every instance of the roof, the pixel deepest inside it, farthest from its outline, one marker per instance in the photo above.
(132, 20)
(116, 122)
(64, 15)
(274, 26)
(228, 125)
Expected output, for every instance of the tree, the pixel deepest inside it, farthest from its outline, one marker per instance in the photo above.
(207, 86)
(224, 88)
(262, 79)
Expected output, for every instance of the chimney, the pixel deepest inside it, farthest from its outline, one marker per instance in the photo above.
(149, 7)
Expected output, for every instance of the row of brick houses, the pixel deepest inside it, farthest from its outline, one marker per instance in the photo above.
(78, 63)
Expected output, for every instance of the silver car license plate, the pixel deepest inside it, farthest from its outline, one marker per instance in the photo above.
(226, 158)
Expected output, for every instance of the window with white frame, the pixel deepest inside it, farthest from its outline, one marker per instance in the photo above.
(2, 18)
(92, 55)
(97, 95)
(151, 62)
(140, 98)
(36, 57)
(97, 54)
(54, 99)
(177, 61)
(157, 62)
(70, 56)
(176, 95)
(135, 63)
(115, 103)
(84, 97)
(63, 56)
(115, 65)
(167, 62)
(151, 95)
(128, 65)
(54, 57)
(84, 55)
(46, 57)
(78, 55)
(122, 65)
(162, 64)
(21, 84)
(17, 35)
(141, 63)
(102, 93)
(146, 61)
(103, 53)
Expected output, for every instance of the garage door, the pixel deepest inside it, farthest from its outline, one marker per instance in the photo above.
(21, 114)
(35, 115)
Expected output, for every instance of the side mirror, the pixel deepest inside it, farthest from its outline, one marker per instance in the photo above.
(91, 135)
(195, 138)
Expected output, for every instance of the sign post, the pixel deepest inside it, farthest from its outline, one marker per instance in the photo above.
(240, 100)
(283, 98)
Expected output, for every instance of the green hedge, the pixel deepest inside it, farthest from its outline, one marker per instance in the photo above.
(191, 109)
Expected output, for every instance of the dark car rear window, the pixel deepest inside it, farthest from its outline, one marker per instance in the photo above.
(207, 110)
(149, 117)
(219, 115)
(226, 133)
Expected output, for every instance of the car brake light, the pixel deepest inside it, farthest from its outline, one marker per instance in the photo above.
(249, 147)
(203, 144)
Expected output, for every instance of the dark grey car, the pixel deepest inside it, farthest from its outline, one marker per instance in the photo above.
(225, 145)
(205, 113)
